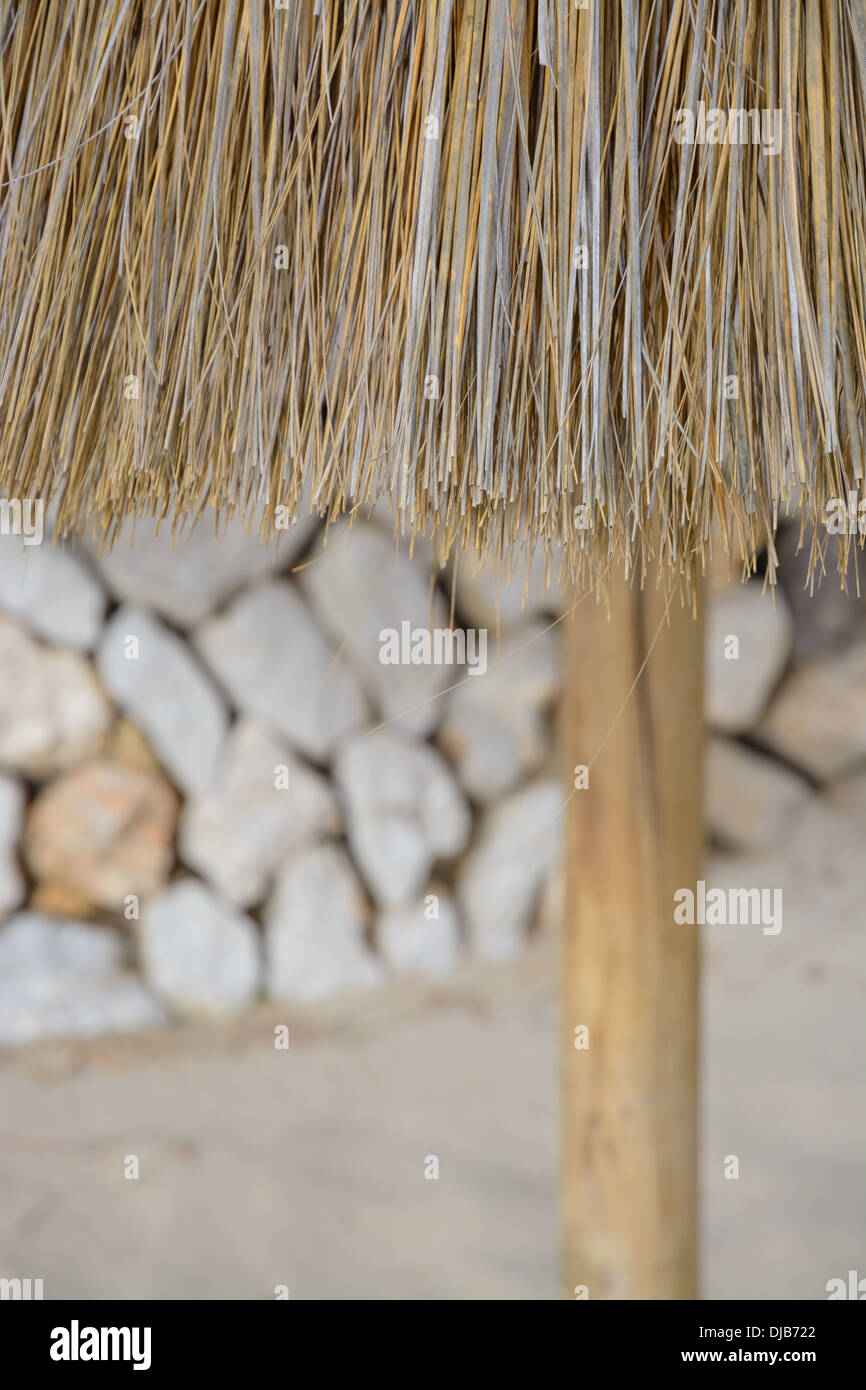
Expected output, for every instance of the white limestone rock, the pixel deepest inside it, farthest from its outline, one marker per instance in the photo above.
(551, 913)
(743, 618)
(186, 579)
(315, 927)
(495, 728)
(500, 882)
(61, 979)
(404, 811)
(750, 800)
(360, 585)
(52, 710)
(421, 938)
(418, 549)
(166, 693)
(11, 825)
(268, 652)
(490, 594)
(50, 591)
(238, 832)
(199, 955)
(818, 718)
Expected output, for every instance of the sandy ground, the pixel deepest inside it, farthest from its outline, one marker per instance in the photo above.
(305, 1168)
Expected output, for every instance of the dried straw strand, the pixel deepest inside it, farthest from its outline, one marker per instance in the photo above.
(448, 250)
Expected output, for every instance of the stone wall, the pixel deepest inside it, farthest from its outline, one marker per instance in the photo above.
(216, 791)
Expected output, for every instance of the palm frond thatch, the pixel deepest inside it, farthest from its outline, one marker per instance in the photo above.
(451, 250)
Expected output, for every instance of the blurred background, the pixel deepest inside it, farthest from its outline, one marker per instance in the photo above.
(278, 935)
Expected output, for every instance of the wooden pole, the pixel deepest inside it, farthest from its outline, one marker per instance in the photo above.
(630, 973)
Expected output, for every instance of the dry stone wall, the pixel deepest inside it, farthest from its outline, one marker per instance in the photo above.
(227, 777)
(231, 773)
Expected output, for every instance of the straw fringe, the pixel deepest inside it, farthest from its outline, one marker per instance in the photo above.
(508, 293)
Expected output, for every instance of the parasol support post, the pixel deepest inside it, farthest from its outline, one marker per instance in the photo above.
(629, 972)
